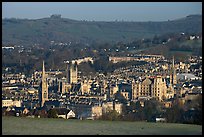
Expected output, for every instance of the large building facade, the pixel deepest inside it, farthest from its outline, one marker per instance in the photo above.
(150, 87)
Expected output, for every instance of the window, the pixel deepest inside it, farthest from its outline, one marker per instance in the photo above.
(45, 94)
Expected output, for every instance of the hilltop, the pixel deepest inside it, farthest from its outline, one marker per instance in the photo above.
(44, 30)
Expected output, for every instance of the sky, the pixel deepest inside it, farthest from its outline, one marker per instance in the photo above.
(102, 11)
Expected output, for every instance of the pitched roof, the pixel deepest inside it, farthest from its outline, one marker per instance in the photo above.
(146, 81)
(62, 111)
(19, 108)
(55, 103)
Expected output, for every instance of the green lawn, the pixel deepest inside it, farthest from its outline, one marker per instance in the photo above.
(47, 126)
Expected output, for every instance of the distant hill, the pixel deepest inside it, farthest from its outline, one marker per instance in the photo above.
(45, 30)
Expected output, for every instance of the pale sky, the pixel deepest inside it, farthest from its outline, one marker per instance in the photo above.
(102, 11)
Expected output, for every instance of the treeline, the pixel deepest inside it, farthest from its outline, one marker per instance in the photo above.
(189, 113)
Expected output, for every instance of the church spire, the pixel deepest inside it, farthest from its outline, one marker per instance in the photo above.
(173, 63)
(43, 71)
(173, 73)
(44, 87)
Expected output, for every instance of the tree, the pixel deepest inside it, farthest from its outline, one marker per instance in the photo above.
(194, 113)
(175, 114)
(43, 113)
(138, 105)
(152, 109)
(111, 115)
(118, 96)
(52, 113)
(133, 105)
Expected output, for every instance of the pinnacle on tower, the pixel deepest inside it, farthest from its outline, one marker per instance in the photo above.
(173, 63)
(43, 70)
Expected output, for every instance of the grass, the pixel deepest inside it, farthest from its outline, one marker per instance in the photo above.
(47, 126)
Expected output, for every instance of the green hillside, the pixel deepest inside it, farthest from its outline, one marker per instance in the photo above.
(48, 126)
(29, 32)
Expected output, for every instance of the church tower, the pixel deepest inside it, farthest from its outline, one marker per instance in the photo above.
(72, 73)
(44, 87)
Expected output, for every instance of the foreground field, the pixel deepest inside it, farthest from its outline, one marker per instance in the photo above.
(45, 126)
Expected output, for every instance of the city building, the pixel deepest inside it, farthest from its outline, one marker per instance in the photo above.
(108, 106)
(149, 87)
(11, 103)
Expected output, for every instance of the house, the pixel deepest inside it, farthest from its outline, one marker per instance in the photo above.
(8, 111)
(20, 111)
(71, 114)
(25, 111)
(5, 110)
(38, 112)
(15, 111)
(65, 113)
(82, 111)
(158, 119)
(167, 103)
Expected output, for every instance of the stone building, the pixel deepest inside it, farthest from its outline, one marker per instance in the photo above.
(72, 72)
(96, 112)
(11, 103)
(112, 106)
(85, 87)
(149, 87)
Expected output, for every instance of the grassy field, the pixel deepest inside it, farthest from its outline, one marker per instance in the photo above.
(45, 126)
